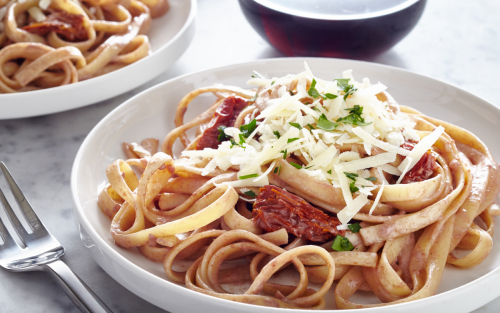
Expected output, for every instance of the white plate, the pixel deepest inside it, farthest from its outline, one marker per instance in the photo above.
(150, 114)
(170, 35)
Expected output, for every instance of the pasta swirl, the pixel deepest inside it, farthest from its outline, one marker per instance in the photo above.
(329, 180)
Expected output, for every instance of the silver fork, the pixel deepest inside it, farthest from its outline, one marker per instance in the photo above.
(42, 251)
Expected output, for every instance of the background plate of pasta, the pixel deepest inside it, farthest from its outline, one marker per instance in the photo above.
(57, 55)
(296, 184)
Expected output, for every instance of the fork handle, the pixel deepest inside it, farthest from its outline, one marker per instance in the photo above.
(81, 295)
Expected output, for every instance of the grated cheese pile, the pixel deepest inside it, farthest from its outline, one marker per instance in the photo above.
(304, 130)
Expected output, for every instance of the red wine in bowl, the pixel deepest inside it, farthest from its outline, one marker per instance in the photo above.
(353, 29)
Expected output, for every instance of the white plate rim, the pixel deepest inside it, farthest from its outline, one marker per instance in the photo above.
(444, 296)
(11, 98)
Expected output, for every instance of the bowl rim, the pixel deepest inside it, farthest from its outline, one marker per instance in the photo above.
(461, 291)
(337, 17)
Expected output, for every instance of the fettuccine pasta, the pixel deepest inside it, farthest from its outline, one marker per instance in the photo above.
(50, 43)
(328, 180)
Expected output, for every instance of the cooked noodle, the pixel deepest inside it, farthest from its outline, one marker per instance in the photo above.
(50, 43)
(345, 184)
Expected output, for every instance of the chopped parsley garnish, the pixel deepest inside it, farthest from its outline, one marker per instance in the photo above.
(248, 176)
(310, 127)
(354, 227)
(292, 139)
(242, 139)
(277, 134)
(354, 117)
(291, 93)
(295, 165)
(309, 167)
(275, 170)
(248, 129)
(285, 152)
(353, 188)
(222, 136)
(329, 171)
(351, 176)
(313, 92)
(315, 109)
(325, 124)
(297, 125)
(272, 83)
(349, 90)
(342, 244)
(252, 195)
(343, 83)
(233, 143)
(371, 178)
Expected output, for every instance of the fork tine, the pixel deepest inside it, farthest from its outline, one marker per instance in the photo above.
(33, 220)
(21, 232)
(7, 239)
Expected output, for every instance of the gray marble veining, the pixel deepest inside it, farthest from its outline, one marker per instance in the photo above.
(455, 41)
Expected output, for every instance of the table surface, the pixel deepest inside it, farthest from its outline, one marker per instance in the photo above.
(455, 41)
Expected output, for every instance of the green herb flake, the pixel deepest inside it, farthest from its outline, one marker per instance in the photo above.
(354, 227)
(330, 96)
(291, 93)
(248, 129)
(342, 244)
(222, 136)
(310, 127)
(329, 171)
(292, 139)
(354, 117)
(285, 152)
(272, 83)
(342, 82)
(296, 125)
(351, 176)
(313, 92)
(275, 170)
(248, 176)
(252, 195)
(295, 165)
(349, 90)
(233, 143)
(371, 178)
(325, 124)
(309, 167)
(316, 109)
(277, 134)
(242, 139)
(353, 188)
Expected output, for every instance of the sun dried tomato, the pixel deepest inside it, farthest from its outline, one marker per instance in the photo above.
(68, 26)
(422, 170)
(225, 115)
(409, 145)
(276, 208)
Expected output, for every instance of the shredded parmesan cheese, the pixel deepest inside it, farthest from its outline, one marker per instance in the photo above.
(349, 211)
(377, 199)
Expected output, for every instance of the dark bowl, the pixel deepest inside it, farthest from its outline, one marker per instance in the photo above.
(326, 33)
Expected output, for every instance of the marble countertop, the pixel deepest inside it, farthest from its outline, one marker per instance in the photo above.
(455, 41)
